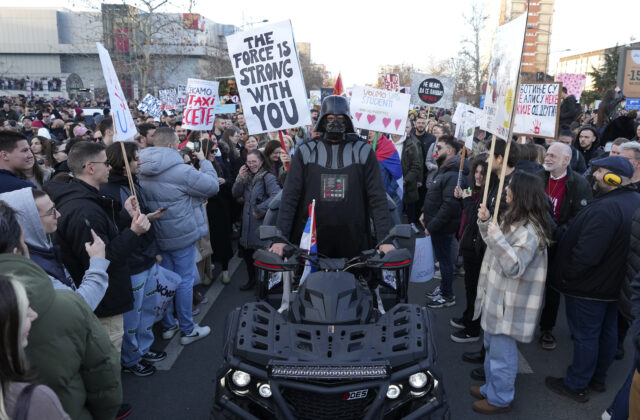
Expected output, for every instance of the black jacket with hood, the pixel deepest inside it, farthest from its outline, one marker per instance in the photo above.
(442, 211)
(80, 204)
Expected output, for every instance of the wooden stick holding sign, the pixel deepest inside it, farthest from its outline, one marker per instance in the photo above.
(464, 152)
(129, 177)
(284, 146)
(489, 167)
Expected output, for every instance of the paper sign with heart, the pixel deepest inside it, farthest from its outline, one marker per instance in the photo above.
(386, 121)
(358, 115)
(371, 118)
(397, 123)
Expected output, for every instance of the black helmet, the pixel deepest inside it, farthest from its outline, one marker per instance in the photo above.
(334, 105)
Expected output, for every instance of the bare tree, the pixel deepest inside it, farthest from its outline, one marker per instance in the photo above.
(471, 47)
(312, 73)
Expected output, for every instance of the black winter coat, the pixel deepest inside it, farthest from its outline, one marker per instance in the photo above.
(577, 195)
(78, 201)
(592, 255)
(442, 211)
(118, 190)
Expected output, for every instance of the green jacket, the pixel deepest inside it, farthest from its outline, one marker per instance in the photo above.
(68, 347)
(411, 161)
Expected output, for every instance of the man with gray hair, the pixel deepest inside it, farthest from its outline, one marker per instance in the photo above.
(631, 151)
(569, 193)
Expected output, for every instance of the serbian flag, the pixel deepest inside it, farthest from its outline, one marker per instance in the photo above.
(308, 242)
(390, 161)
(338, 89)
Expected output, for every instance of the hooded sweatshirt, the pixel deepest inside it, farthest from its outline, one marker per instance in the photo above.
(167, 182)
(68, 347)
(48, 256)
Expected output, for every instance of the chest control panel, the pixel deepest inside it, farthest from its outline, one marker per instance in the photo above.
(334, 187)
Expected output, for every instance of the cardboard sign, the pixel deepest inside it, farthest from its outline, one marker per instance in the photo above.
(466, 118)
(434, 91)
(537, 110)
(500, 95)
(631, 73)
(379, 110)
(199, 111)
(169, 97)
(573, 82)
(269, 78)
(151, 105)
(391, 82)
(123, 126)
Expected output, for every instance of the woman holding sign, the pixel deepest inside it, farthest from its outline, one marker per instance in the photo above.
(510, 287)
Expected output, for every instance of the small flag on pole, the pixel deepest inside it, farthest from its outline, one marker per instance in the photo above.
(308, 242)
(338, 89)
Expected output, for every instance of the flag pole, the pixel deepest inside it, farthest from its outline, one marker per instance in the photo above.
(284, 147)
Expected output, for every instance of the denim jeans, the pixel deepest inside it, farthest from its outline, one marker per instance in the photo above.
(138, 322)
(593, 324)
(619, 408)
(442, 250)
(182, 262)
(500, 368)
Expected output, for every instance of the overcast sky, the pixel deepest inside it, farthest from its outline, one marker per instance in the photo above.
(354, 37)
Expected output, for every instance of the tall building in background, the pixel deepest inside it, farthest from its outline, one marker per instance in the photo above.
(537, 41)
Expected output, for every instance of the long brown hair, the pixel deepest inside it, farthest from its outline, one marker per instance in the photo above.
(226, 139)
(530, 204)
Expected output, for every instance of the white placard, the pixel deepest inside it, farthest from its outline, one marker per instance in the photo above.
(123, 125)
(466, 118)
(500, 94)
(269, 78)
(169, 98)
(199, 111)
(429, 90)
(537, 112)
(151, 105)
(379, 110)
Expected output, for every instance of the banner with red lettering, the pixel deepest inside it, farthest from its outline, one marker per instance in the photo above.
(199, 111)
(123, 125)
(537, 111)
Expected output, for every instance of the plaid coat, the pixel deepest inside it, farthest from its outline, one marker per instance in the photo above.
(511, 283)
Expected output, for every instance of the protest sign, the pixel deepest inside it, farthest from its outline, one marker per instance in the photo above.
(573, 82)
(434, 91)
(201, 102)
(537, 112)
(391, 81)
(123, 125)
(151, 105)
(504, 70)
(324, 92)
(225, 109)
(379, 110)
(169, 98)
(629, 73)
(182, 91)
(466, 118)
(314, 97)
(267, 70)
(632, 103)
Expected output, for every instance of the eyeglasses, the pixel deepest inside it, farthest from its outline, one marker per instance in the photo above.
(51, 212)
(105, 163)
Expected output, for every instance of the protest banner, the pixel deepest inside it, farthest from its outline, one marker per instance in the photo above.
(169, 98)
(314, 97)
(270, 83)
(379, 110)
(466, 118)
(225, 109)
(123, 125)
(632, 103)
(504, 70)
(391, 81)
(199, 110)
(537, 110)
(433, 91)
(573, 82)
(151, 105)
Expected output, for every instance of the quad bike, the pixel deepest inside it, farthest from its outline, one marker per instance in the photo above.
(332, 354)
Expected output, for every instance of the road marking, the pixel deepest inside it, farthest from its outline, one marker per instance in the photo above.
(523, 365)
(175, 348)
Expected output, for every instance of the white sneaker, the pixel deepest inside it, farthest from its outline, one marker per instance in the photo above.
(197, 333)
(168, 333)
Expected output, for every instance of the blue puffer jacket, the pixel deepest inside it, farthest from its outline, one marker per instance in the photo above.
(182, 189)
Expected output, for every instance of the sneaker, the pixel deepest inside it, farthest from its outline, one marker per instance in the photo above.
(464, 336)
(435, 292)
(225, 278)
(140, 369)
(195, 311)
(154, 356)
(442, 302)
(168, 333)
(478, 374)
(474, 356)
(457, 322)
(484, 407)
(558, 386)
(606, 415)
(548, 341)
(197, 333)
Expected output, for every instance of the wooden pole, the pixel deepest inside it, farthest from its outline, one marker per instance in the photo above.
(128, 170)
(464, 152)
(501, 185)
(486, 183)
(284, 146)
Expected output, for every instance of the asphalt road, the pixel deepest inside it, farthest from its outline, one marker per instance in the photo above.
(182, 388)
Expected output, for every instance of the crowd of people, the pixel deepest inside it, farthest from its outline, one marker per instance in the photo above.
(85, 250)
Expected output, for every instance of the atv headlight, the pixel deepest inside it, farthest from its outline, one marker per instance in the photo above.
(418, 380)
(393, 392)
(264, 390)
(240, 379)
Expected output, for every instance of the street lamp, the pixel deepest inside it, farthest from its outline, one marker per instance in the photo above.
(253, 23)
